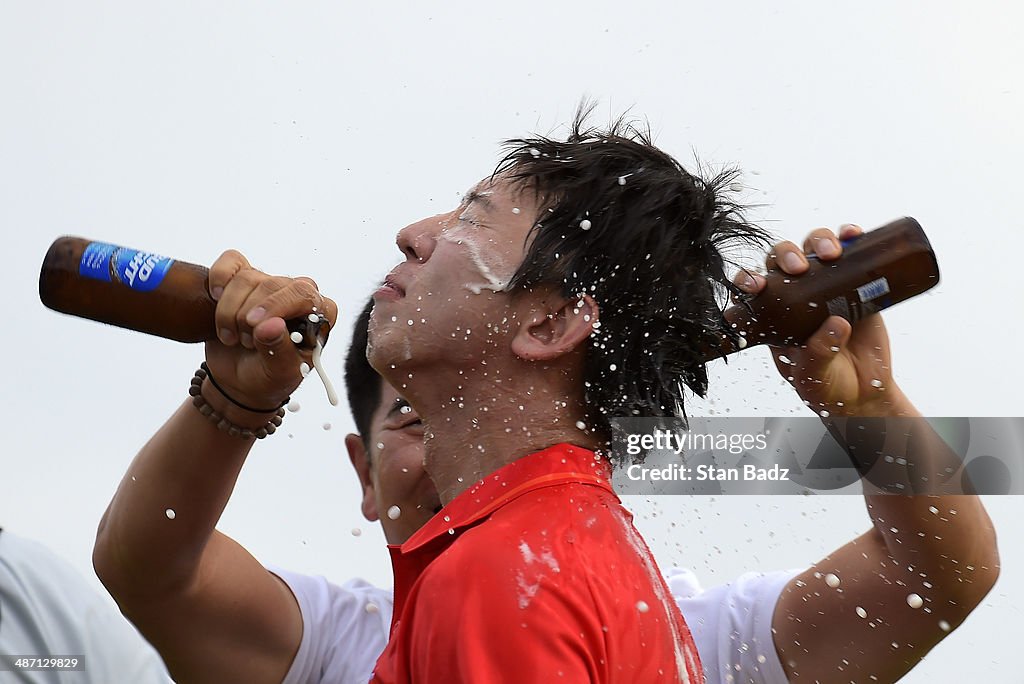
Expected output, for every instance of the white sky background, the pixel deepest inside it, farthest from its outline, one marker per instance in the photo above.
(307, 134)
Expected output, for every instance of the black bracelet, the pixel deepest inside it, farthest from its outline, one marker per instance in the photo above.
(239, 404)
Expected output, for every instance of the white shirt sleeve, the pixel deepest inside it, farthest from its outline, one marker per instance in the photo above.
(344, 629)
(732, 625)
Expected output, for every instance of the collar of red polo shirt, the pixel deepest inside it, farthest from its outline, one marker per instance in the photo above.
(558, 464)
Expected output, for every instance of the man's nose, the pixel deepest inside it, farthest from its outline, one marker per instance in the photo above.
(417, 241)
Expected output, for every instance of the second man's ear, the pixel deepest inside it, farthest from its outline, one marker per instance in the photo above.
(555, 326)
(361, 462)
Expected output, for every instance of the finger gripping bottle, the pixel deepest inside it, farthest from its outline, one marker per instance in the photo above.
(878, 269)
(137, 290)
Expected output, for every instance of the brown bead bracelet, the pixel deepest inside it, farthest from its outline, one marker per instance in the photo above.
(195, 390)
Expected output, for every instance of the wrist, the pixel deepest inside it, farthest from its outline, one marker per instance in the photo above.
(235, 414)
(888, 402)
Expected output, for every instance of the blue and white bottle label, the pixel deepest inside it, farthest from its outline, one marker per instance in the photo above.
(141, 271)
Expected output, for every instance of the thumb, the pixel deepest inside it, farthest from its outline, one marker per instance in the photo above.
(829, 338)
(281, 357)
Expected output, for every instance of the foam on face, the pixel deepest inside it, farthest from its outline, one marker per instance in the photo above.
(489, 264)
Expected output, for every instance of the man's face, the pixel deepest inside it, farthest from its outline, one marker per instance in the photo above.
(447, 299)
(396, 489)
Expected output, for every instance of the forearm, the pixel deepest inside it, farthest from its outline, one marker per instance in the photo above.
(153, 535)
(943, 532)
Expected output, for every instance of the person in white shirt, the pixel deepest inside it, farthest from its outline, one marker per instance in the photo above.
(48, 610)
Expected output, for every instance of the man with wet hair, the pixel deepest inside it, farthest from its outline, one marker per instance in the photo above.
(574, 285)
(516, 328)
(494, 329)
(728, 622)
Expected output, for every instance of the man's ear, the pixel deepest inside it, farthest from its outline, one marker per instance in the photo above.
(361, 462)
(555, 326)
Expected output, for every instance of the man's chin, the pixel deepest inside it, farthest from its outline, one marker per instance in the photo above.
(387, 347)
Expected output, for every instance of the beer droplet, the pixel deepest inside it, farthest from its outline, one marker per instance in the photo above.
(372, 608)
(170, 513)
(585, 224)
(832, 580)
(293, 406)
(944, 626)
(915, 601)
(861, 613)
(394, 512)
(642, 606)
(356, 532)
(296, 337)
(327, 426)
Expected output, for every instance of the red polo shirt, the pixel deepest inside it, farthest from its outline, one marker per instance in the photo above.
(534, 574)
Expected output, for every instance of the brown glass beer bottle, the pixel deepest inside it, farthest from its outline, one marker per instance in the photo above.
(880, 268)
(137, 290)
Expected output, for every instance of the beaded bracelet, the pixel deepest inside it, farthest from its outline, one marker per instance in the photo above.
(195, 390)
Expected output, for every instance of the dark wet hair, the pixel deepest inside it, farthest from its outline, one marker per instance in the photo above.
(652, 257)
(362, 383)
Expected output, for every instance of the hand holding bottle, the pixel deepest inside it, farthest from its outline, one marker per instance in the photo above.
(842, 368)
(253, 356)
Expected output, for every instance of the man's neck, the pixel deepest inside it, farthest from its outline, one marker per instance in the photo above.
(474, 428)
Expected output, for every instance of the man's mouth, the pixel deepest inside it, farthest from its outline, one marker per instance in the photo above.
(389, 290)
